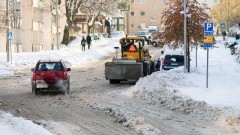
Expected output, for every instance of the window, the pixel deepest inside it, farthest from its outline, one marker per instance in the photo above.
(37, 26)
(153, 20)
(132, 25)
(142, 1)
(132, 13)
(132, 1)
(163, 1)
(142, 13)
(153, 7)
(37, 3)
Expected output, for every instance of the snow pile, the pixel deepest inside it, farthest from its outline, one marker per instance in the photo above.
(161, 92)
(128, 119)
(72, 55)
(164, 91)
(18, 126)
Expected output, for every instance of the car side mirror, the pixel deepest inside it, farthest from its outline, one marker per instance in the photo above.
(32, 69)
(68, 69)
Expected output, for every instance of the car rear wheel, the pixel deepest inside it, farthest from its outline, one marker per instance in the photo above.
(114, 81)
(154, 44)
(34, 90)
(68, 87)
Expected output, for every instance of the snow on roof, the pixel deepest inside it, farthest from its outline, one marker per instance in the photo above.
(174, 52)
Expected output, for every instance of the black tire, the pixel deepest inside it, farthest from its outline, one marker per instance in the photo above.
(68, 87)
(111, 81)
(34, 90)
(154, 44)
(153, 67)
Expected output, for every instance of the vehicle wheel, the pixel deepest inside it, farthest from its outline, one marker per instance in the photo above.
(154, 44)
(114, 81)
(152, 68)
(68, 87)
(34, 90)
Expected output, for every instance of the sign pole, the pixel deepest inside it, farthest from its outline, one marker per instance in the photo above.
(185, 35)
(8, 27)
(207, 67)
(196, 54)
(208, 40)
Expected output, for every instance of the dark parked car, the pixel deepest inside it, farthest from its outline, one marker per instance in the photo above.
(50, 76)
(172, 61)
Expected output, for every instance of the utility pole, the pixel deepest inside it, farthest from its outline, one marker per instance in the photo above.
(228, 10)
(8, 29)
(185, 36)
(56, 4)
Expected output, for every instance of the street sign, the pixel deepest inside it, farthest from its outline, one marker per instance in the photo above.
(208, 33)
(207, 45)
(208, 27)
(10, 36)
(208, 39)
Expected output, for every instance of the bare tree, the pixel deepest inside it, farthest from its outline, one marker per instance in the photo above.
(71, 9)
(2, 16)
(226, 11)
(95, 8)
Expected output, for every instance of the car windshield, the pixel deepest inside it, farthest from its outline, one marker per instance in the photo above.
(175, 58)
(49, 65)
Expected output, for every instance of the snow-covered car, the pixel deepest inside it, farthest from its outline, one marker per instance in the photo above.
(50, 76)
(172, 59)
(96, 36)
(117, 34)
(144, 34)
(156, 39)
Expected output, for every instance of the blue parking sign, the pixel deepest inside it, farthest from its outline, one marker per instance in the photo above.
(208, 27)
(207, 45)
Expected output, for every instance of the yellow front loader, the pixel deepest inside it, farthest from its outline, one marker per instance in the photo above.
(135, 61)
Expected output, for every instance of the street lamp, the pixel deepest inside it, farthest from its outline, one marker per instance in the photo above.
(8, 29)
(185, 35)
(56, 4)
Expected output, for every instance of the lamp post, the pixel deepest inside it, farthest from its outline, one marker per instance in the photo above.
(8, 29)
(228, 14)
(185, 35)
(56, 4)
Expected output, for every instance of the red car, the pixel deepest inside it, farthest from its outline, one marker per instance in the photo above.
(50, 76)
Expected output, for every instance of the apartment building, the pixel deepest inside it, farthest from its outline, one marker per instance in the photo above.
(144, 13)
(33, 24)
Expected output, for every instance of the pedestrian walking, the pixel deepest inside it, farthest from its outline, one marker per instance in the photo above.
(224, 34)
(89, 40)
(83, 43)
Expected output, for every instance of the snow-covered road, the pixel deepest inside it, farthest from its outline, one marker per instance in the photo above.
(161, 103)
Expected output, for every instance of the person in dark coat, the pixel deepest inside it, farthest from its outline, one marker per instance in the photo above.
(158, 65)
(83, 43)
(224, 34)
(89, 40)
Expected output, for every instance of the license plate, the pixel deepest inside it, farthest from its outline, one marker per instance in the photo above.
(41, 84)
(174, 64)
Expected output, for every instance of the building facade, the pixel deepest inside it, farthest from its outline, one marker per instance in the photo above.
(33, 24)
(144, 13)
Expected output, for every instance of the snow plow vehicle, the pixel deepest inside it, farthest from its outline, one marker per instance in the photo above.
(135, 61)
